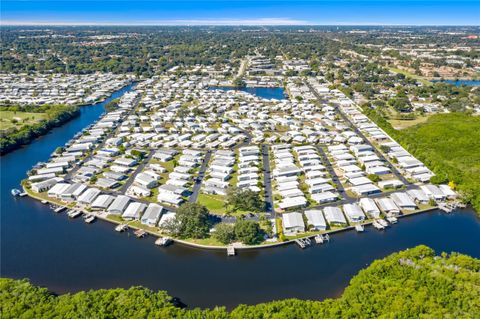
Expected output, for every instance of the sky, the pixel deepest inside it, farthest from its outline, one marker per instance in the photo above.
(246, 12)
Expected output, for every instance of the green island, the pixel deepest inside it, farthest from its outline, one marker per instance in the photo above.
(447, 143)
(414, 283)
(21, 124)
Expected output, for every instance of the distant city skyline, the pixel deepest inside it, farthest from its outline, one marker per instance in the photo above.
(247, 12)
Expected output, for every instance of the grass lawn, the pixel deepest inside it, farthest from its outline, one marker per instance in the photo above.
(411, 75)
(402, 124)
(22, 118)
(214, 203)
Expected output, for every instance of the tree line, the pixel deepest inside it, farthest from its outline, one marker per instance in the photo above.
(414, 283)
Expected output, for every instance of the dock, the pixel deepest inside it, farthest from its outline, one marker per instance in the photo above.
(359, 228)
(140, 233)
(59, 209)
(230, 251)
(377, 225)
(121, 228)
(74, 213)
(89, 219)
(163, 241)
(320, 239)
(303, 242)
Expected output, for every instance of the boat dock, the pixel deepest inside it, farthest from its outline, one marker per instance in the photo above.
(377, 225)
(303, 242)
(121, 228)
(230, 251)
(74, 213)
(320, 239)
(359, 228)
(140, 233)
(163, 241)
(59, 209)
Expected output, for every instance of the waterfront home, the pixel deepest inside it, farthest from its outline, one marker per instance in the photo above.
(403, 201)
(369, 207)
(388, 206)
(354, 213)
(102, 202)
(45, 185)
(418, 196)
(447, 191)
(73, 191)
(152, 215)
(315, 219)
(119, 205)
(292, 223)
(88, 196)
(134, 211)
(433, 192)
(58, 189)
(334, 216)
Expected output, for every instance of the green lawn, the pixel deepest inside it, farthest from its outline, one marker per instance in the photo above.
(411, 75)
(8, 119)
(214, 203)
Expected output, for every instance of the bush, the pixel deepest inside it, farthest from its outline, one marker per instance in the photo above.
(248, 232)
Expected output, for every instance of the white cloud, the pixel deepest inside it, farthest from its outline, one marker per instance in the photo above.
(185, 22)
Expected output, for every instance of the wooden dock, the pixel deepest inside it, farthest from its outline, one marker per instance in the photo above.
(230, 251)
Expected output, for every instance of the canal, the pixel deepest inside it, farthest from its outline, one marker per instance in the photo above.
(68, 255)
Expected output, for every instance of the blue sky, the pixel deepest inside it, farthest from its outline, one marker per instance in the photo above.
(246, 12)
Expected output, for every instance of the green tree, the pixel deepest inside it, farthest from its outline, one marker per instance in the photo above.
(193, 221)
(224, 233)
(248, 232)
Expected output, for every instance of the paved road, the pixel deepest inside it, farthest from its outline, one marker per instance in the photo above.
(332, 173)
(198, 180)
(102, 143)
(139, 169)
(267, 181)
(356, 130)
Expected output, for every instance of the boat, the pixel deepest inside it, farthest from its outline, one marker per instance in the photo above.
(163, 241)
(122, 227)
(15, 192)
(382, 222)
(74, 213)
(377, 225)
(44, 202)
(300, 243)
(359, 228)
(392, 219)
(140, 233)
(319, 239)
(89, 219)
(58, 209)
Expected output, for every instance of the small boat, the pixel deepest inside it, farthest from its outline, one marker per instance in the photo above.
(15, 192)
(89, 219)
(140, 233)
(319, 239)
(44, 202)
(163, 241)
(392, 219)
(121, 228)
(382, 222)
(359, 228)
(59, 209)
(377, 225)
(74, 213)
(300, 243)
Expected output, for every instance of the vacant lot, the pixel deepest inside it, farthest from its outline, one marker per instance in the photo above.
(10, 119)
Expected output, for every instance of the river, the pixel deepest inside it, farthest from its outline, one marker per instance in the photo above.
(68, 255)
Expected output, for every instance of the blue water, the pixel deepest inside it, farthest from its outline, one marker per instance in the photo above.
(460, 82)
(68, 255)
(266, 93)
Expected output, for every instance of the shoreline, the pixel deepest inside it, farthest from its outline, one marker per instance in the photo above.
(50, 125)
(224, 247)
